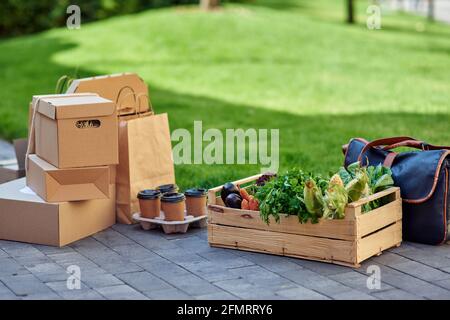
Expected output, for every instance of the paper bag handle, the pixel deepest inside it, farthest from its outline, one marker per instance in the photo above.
(137, 100)
(150, 106)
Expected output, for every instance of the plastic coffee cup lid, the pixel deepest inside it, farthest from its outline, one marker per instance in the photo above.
(168, 188)
(173, 197)
(195, 192)
(149, 194)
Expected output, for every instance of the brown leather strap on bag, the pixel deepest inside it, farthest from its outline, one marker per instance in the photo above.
(416, 144)
(382, 142)
(395, 142)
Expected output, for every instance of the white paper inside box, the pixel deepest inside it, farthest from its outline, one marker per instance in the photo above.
(25, 217)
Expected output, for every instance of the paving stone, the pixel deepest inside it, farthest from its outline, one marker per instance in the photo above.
(195, 244)
(209, 271)
(429, 258)
(192, 285)
(316, 282)
(89, 294)
(24, 285)
(263, 277)
(106, 258)
(243, 289)
(353, 295)
(94, 250)
(168, 294)
(9, 267)
(135, 252)
(389, 259)
(272, 262)
(403, 247)
(412, 285)
(118, 265)
(227, 259)
(395, 294)
(144, 281)
(30, 261)
(421, 271)
(99, 280)
(60, 286)
(112, 238)
(121, 292)
(52, 250)
(3, 254)
(358, 281)
(217, 296)
(84, 293)
(23, 250)
(50, 267)
(301, 293)
(6, 293)
(443, 283)
(42, 296)
(148, 239)
(178, 255)
(322, 268)
(164, 269)
(203, 236)
(73, 258)
(175, 236)
(48, 272)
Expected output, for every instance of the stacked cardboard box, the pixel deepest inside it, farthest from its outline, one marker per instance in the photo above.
(69, 192)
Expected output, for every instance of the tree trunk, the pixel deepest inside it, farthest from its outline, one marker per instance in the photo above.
(350, 11)
(209, 4)
(431, 10)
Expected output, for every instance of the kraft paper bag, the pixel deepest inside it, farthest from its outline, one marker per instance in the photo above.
(145, 160)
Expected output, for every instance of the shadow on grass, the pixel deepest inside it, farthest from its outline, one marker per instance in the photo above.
(309, 141)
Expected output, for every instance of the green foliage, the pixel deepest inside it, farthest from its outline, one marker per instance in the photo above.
(293, 66)
(25, 16)
(364, 181)
(63, 84)
(285, 194)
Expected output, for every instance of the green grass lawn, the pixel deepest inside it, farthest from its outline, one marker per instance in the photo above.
(292, 65)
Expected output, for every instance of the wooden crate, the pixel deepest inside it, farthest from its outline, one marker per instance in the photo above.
(347, 241)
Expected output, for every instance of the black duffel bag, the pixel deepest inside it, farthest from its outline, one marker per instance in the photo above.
(423, 177)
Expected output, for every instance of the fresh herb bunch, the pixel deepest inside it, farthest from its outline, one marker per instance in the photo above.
(284, 194)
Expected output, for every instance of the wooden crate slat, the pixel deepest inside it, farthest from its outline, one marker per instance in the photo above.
(284, 243)
(379, 241)
(375, 196)
(379, 218)
(335, 229)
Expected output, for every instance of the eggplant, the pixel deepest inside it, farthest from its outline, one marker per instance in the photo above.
(233, 200)
(227, 189)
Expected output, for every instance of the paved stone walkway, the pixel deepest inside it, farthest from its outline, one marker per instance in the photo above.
(126, 262)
